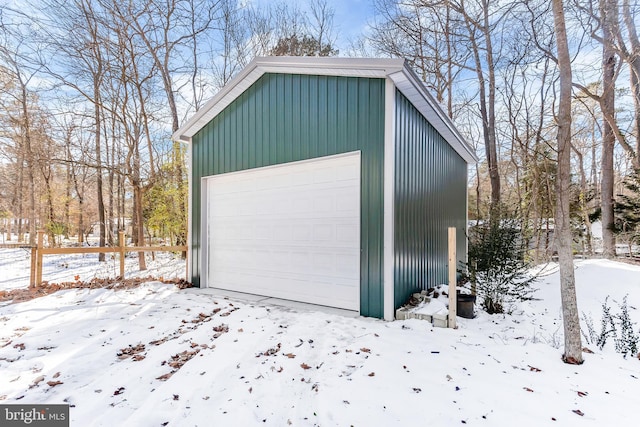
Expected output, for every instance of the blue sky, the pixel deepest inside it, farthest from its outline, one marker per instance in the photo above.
(352, 17)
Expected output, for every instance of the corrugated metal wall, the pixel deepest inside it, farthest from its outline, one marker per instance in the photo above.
(283, 118)
(430, 196)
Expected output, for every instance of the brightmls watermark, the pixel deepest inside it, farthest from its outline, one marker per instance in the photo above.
(34, 415)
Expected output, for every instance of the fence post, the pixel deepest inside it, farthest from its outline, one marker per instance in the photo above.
(32, 273)
(121, 244)
(39, 245)
(453, 295)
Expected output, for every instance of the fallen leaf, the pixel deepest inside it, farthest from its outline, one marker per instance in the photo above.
(578, 412)
(587, 350)
(365, 350)
(250, 389)
(120, 390)
(372, 374)
(221, 328)
(54, 383)
(534, 369)
(449, 378)
(528, 389)
(305, 366)
(582, 393)
(56, 375)
(290, 355)
(417, 389)
(165, 376)
(37, 381)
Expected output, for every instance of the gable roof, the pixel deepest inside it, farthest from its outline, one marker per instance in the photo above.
(405, 80)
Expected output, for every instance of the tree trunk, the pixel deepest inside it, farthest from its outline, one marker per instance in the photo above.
(67, 200)
(572, 341)
(139, 222)
(634, 65)
(101, 218)
(607, 104)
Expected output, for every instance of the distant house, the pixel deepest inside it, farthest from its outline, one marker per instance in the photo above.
(325, 180)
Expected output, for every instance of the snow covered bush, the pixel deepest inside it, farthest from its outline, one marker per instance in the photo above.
(497, 267)
(618, 326)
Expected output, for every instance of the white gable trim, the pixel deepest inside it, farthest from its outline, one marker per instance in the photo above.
(396, 69)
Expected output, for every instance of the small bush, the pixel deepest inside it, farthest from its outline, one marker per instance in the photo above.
(497, 267)
(618, 326)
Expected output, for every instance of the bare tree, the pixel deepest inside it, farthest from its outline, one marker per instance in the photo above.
(21, 119)
(608, 17)
(572, 341)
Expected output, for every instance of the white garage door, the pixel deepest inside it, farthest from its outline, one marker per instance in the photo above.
(290, 231)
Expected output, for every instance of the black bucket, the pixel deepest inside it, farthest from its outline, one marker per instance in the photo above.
(464, 306)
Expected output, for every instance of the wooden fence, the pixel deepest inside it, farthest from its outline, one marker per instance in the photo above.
(39, 251)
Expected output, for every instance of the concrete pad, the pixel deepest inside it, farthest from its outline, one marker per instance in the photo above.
(262, 300)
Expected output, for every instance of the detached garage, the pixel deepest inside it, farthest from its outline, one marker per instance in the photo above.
(325, 180)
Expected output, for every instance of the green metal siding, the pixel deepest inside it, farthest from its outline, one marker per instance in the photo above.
(283, 118)
(430, 196)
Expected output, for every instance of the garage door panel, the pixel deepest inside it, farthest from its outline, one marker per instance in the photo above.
(291, 231)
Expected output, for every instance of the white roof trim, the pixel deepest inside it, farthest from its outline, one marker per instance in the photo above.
(396, 69)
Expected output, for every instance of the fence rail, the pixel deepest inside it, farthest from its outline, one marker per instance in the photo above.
(15, 246)
(38, 251)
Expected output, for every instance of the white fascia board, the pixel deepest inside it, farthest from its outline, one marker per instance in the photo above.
(345, 67)
(412, 87)
(403, 77)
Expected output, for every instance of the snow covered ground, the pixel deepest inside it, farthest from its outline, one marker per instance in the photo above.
(15, 265)
(155, 355)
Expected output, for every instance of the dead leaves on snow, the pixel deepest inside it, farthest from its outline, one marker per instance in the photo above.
(176, 362)
(220, 329)
(133, 352)
(271, 351)
(46, 288)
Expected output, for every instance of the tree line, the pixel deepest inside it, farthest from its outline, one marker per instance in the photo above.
(495, 69)
(91, 91)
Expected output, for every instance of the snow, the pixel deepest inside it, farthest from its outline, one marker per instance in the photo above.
(15, 265)
(237, 362)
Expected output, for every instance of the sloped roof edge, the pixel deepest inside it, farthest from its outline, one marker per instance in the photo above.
(396, 69)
